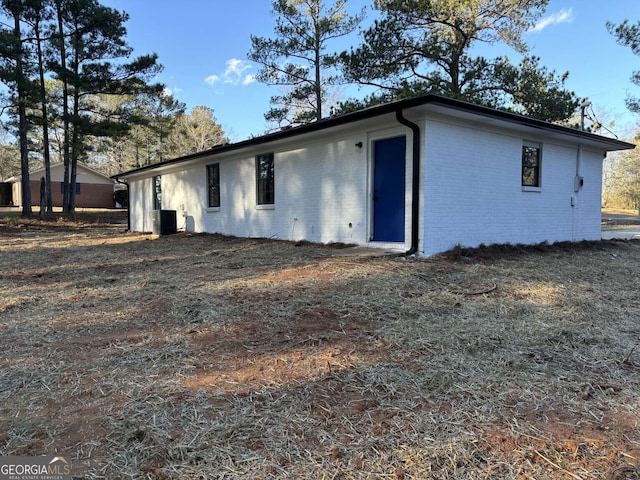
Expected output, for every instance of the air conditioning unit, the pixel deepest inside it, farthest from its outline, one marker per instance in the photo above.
(165, 222)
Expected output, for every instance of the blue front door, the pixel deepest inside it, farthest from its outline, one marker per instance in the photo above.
(389, 168)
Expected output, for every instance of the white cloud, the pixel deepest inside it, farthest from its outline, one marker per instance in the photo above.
(563, 16)
(171, 91)
(248, 79)
(235, 73)
(212, 79)
(235, 70)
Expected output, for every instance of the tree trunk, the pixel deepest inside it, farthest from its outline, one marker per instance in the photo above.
(45, 123)
(65, 109)
(317, 60)
(23, 126)
(75, 143)
(24, 158)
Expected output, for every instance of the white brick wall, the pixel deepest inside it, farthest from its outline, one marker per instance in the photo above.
(322, 192)
(473, 193)
(319, 190)
(471, 189)
(141, 204)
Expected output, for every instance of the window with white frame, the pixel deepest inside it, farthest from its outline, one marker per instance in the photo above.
(213, 185)
(531, 164)
(265, 181)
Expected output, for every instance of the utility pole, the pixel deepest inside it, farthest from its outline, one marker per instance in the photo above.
(583, 108)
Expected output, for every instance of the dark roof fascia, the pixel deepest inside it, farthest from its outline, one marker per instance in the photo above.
(530, 122)
(289, 132)
(384, 109)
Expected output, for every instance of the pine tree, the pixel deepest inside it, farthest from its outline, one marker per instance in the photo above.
(297, 59)
(194, 132)
(15, 70)
(90, 37)
(628, 35)
(423, 46)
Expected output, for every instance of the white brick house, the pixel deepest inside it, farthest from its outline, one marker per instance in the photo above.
(423, 174)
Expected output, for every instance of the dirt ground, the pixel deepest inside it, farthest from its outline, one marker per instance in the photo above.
(208, 357)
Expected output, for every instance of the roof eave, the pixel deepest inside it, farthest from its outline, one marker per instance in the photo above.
(608, 144)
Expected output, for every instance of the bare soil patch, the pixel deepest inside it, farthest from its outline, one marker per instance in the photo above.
(202, 357)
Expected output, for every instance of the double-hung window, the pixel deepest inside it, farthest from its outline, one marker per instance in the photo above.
(213, 185)
(531, 165)
(265, 182)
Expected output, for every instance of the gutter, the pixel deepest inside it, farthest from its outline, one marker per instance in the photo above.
(415, 184)
(389, 108)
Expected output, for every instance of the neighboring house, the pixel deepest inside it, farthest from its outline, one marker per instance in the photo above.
(423, 174)
(93, 189)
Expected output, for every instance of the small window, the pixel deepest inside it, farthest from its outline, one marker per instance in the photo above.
(213, 184)
(531, 160)
(157, 192)
(265, 188)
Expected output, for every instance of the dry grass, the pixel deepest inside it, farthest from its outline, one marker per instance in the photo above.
(205, 357)
(619, 212)
(619, 219)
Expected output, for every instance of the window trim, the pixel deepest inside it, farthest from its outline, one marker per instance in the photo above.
(537, 169)
(261, 201)
(211, 205)
(157, 192)
(265, 206)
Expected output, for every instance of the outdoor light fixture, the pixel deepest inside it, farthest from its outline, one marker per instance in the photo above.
(359, 144)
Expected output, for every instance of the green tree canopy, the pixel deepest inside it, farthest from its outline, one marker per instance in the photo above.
(16, 69)
(425, 46)
(151, 119)
(89, 58)
(82, 44)
(194, 132)
(628, 35)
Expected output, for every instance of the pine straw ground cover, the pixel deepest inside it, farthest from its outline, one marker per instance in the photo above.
(203, 357)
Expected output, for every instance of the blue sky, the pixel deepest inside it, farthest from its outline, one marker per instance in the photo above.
(203, 47)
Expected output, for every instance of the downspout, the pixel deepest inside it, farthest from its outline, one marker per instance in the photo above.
(128, 204)
(415, 184)
(579, 182)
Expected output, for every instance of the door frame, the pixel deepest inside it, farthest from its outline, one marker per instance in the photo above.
(372, 138)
